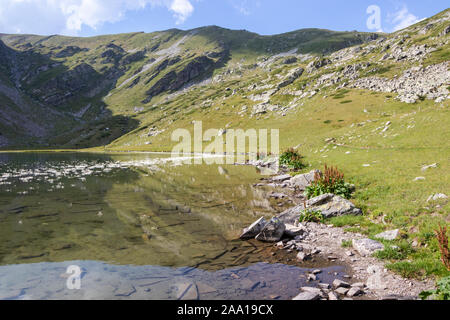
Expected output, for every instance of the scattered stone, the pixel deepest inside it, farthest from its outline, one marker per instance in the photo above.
(425, 168)
(332, 206)
(366, 247)
(312, 277)
(272, 231)
(317, 271)
(324, 286)
(358, 285)
(342, 291)
(254, 229)
(302, 256)
(419, 179)
(332, 296)
(340, 284)
(307, 296)
(437, 196)
(312, 290)
(354, 291)
(389, 235)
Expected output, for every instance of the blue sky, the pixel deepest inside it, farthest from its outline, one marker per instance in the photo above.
(95, 17)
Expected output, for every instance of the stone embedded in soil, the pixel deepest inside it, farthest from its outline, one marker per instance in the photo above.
(367, 247)
(307, 296)
(272, 231)
(254, 229)
(388, 235)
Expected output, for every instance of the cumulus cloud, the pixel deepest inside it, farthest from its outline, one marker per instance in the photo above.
(403, 19)
(245, 7)
(69, 16)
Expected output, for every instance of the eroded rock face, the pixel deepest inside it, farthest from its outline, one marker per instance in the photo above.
(272, 232)
(175, 80)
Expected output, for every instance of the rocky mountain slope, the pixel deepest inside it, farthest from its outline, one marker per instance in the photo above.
(78, 92)
(128, 89)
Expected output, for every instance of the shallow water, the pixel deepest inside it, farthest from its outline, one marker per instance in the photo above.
(131, 217)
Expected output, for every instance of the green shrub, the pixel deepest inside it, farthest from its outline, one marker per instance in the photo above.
(346, 243)
(330, 181)
(308, 215)
(442, 291)
(292, 159)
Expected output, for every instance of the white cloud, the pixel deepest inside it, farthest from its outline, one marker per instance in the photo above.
(403, 19)
(69, 16)
(245, 7)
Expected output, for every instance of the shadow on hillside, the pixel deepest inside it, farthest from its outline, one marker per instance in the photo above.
(70, 101)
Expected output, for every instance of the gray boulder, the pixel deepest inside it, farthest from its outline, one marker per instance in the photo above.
(388, 235)
(367, 247)
(293, 231)
(254, 229)
(272, 231)
(333, 206)
(302, 181)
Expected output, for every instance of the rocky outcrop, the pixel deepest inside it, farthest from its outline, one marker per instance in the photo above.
(430, 82)
(329, 205)
(67, 84)
(69, 51)
(174, 80)
(291, 77)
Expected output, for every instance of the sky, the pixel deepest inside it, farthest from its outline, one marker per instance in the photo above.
(97, 17)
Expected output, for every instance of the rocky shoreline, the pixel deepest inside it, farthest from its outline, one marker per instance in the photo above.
(369, 278)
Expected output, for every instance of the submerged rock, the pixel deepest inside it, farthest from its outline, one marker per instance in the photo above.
(272, 231)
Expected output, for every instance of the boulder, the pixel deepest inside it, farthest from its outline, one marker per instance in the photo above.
(302, 181)
(340, 284)
(254, 229)
(332, 206)
(367, 247)
(272, 231)
(388, 235)
(329, 205)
